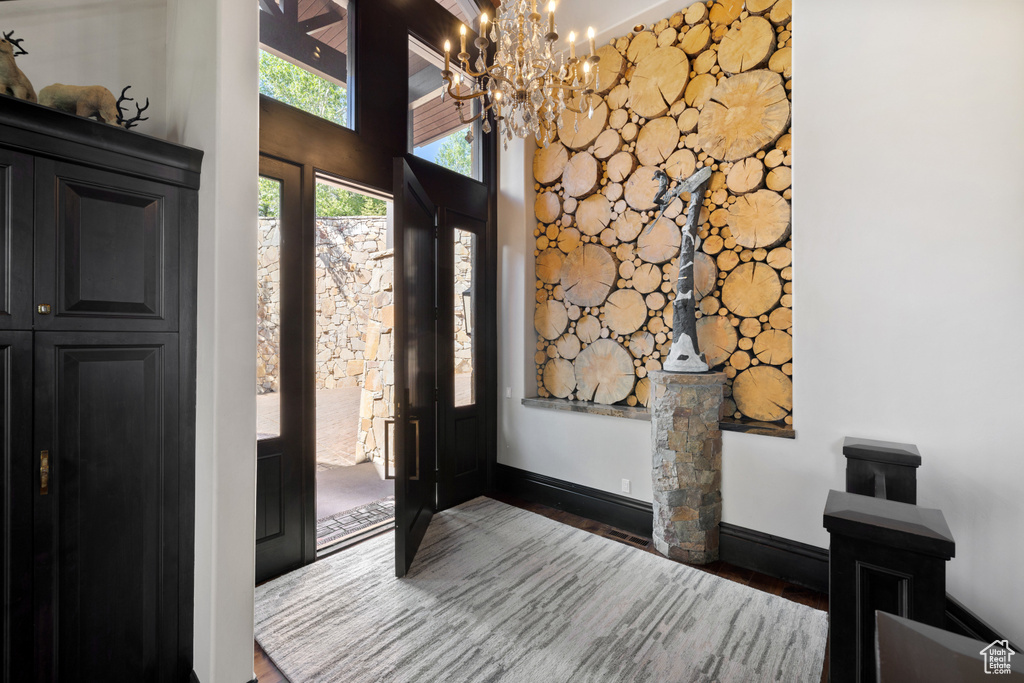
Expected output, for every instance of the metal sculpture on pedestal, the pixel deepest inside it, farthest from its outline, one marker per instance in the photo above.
(685, 355)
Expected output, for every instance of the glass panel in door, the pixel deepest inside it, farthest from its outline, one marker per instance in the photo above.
(464, 361)
(268, 310)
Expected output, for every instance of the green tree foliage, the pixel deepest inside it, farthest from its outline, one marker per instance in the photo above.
(456, 154)
(270, 198)
(293, 85)
(333, 201)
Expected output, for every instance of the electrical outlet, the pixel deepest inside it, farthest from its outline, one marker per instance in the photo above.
(508, 392)
(625, 485)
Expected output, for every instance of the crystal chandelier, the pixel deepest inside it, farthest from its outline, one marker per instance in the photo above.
(524, 90)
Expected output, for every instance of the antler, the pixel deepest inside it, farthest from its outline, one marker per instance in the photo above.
(123, 98)
(126, 122)
(16, 42)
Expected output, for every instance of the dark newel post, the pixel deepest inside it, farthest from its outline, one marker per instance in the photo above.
(884, 555)
(882, 469)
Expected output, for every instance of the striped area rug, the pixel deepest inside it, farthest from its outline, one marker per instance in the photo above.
(501, 594)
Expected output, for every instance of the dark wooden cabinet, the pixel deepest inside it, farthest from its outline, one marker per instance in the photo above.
(15, 240)
(97, 399)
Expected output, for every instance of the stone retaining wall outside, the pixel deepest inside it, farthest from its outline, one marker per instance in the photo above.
(353, 271)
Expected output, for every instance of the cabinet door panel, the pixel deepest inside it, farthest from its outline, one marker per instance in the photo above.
(15, 241)
(106, 250)
(16, 478)
(106, 543)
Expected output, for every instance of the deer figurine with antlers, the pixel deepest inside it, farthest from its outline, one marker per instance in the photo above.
(91, 101)
(12, 80)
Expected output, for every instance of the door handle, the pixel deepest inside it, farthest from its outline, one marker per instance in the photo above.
(43, 309)
(388, 426)
(415, 421)
(44, 473)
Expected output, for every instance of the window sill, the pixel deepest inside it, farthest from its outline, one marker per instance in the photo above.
(633, 413)
(640, 413)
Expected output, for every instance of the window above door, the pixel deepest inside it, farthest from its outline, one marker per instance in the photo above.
(305, 56)
(437, 131)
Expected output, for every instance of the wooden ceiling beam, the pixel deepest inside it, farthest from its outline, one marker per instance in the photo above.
(289, 39)
(291, 11)
(320, 21)
(271, 7)
(470, 8)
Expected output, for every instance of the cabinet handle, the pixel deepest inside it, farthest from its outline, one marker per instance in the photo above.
(44, 309)
(44, 473)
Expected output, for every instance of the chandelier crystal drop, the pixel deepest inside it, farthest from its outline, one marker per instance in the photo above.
(526, 90)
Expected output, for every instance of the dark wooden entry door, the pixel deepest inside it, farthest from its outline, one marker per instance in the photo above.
(466, 344)
(280, 486)
(415, 370)
(441, 420)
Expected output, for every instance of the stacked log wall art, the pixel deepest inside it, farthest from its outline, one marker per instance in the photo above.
(709, 86)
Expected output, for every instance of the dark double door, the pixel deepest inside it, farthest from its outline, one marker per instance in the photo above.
(444, 359)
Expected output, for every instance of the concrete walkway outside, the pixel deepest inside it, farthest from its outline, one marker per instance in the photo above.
(344, 488)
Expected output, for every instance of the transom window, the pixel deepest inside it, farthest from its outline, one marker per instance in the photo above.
(304, 56)
(437, 132)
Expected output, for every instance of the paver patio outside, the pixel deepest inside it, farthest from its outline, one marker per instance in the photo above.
(337, 420)
(337, 424)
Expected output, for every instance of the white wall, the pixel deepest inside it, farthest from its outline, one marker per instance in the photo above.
(213, 85)
(592, 450)
(908, 280)
(112, 43)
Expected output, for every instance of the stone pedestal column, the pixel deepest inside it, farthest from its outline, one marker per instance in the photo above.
(687, 445)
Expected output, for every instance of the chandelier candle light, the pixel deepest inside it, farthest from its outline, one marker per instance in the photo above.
(525, 91)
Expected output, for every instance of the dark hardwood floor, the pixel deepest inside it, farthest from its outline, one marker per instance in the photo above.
(267, 672)
(264, 668)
